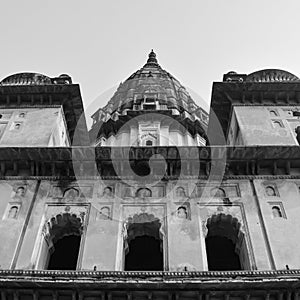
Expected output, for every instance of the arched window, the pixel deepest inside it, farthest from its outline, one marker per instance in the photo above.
(273, 113)
(180, 192)
(143, 193)
(149, 143)
(107, 191)
(61, 243)
(270, 191)
(13, 212)
(143, 244)
(225, 244)
(20, 192)
(277, 124)
(71, 194)
(104, 213)
(182, 212)
(218, 193)
(276, 212)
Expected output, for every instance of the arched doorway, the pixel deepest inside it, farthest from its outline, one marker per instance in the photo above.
(143, 244)
(65, 253)
(226, 247)
(61, 244)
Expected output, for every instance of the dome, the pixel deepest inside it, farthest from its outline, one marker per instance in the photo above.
(35, 79)
(26, 79)
(150, 89)
(151, 83)
(271, 75)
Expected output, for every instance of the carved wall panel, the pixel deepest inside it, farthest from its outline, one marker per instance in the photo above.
(211, 190)
(139, 191)
(71, 192)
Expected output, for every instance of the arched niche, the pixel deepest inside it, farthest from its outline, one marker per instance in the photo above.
(276, 212)
(13, 212)
(218, 192)
(143, 193)
(71, 193)
(180, 192)
(143, 243)
(62, 230)
(270, 191)
(226, 245)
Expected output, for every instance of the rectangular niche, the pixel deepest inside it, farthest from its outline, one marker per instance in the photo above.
(12, 211)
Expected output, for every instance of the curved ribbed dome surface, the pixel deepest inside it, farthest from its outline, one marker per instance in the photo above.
(271, 75)
(26, 79)
(152, 82)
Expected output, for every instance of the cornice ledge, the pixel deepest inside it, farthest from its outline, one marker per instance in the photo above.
(166, 178)
(150, 274)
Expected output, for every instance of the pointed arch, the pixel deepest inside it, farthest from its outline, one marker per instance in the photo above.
(143, 192)
(218, 192)
(143, 243)
(226, 245)
(61, 239)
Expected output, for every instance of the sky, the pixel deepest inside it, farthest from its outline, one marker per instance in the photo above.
(101, 43)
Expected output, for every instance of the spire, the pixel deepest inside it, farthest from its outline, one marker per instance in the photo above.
(152, 61)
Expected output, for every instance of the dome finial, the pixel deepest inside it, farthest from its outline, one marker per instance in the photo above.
(152, 61)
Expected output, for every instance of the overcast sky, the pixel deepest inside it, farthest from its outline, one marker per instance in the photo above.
(100, 43)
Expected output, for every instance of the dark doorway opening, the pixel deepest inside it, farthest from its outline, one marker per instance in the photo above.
(144, 254)
(65, 253)
(226, 246)
(221, 254)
